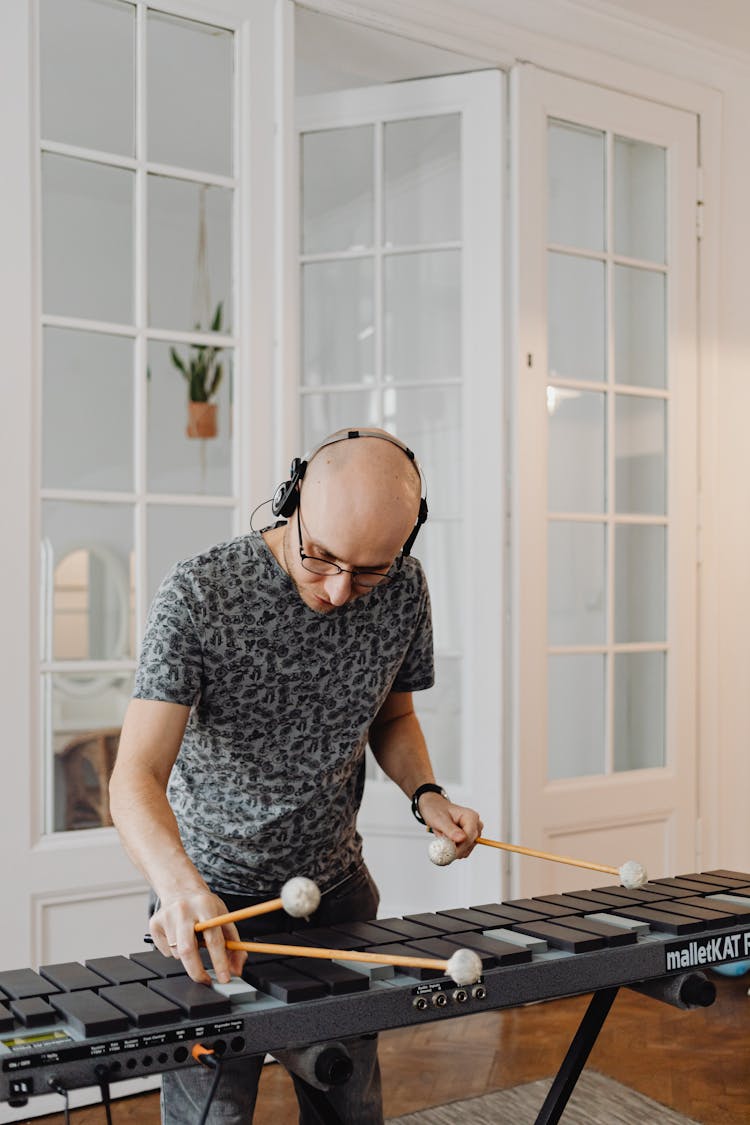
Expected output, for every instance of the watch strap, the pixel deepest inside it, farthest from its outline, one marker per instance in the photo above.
(428, 787)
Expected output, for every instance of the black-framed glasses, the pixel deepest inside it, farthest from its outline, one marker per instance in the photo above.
(367, 579)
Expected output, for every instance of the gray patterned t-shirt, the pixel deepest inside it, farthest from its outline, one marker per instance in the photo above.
(269, 777)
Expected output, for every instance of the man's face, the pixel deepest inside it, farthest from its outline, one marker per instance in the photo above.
(356, 540)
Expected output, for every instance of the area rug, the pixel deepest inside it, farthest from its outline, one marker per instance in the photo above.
(596, 1100)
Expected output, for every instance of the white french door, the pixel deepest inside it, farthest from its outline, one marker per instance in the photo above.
(605, 500)
(132, 133)
(400, 288)
(130, 190)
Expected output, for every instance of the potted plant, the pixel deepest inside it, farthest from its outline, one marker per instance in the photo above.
(203, 373)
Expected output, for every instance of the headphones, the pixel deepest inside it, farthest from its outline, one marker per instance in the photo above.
(286, 497)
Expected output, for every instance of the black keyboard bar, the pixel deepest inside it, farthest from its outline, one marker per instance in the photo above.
(143, 1006)
(89, 1014)
(563, 937)
(197, 1001)
(20, 984)
(72, 977)
(33, 1012)
(119, 970)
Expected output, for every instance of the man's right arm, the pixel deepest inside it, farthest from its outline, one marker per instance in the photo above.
(149, 744)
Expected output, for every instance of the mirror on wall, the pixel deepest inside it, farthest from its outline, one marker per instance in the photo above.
(93, 606)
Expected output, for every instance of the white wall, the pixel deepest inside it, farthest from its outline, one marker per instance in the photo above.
(728, 550)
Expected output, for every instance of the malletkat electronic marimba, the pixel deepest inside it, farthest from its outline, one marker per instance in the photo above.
(72, 1025)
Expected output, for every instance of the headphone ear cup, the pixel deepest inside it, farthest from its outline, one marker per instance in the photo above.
(286, 496)
(421, 517)
(285, 499)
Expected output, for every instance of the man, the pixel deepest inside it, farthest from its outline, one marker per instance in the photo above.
(267, 664)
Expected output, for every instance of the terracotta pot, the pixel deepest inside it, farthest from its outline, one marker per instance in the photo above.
(201, 420)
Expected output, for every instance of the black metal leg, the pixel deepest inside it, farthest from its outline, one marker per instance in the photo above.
(317, 1101)
(575, 1059)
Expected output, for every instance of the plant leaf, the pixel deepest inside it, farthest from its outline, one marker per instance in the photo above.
(216, 380)
(197, 387)
(177, 360)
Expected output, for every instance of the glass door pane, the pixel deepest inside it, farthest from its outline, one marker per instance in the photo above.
(87, 375)
(577, 338)
(640, 191)
(607, 450)
(337, 323)
(338, 208)
(640, 327)
(576, 206)
(138, 459)
(422, 182)
(179, 459)
(87, 554)
(85, 714)
(576, 697)
(190, 255)
(190, 93)
(640, 694)
(381, 337)
(577, 451)
(87, 239)
(87, 73)
(422, 309)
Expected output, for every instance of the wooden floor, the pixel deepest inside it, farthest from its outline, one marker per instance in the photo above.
(696, 1062)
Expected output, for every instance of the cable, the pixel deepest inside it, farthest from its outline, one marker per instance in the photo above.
(58, 1087)
(257, 508)
(207, 1058)
(102, 1072)
(104, 1088)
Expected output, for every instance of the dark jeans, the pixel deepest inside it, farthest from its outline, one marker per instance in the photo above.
(358, 1102)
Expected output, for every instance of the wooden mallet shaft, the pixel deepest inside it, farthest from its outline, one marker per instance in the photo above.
(339, 954)
(238, 915)
(548, 855)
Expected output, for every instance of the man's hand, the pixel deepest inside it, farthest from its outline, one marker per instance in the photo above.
(173, 930)
(459, 824)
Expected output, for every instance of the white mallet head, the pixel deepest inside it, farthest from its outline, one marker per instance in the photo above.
(633, 874)
(464, 966)
(442, 851)
(300, 897)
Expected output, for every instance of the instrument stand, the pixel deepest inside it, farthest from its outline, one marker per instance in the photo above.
(577, 1054)
(316, 1100)
(560, 1090)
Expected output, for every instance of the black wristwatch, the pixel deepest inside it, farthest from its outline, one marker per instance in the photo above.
(429, 787)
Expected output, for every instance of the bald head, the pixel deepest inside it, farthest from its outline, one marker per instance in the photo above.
(368, 484)
(359, 502)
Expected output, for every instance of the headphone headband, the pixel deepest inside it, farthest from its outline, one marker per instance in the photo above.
(286, 497)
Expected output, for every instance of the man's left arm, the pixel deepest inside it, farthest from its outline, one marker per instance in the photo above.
(399, 746)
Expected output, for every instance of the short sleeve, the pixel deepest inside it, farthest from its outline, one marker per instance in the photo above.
(417, 671)
(170, 665)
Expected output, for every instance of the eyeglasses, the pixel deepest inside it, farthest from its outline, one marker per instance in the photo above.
(364, 578)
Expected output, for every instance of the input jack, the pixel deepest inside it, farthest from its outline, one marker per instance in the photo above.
(479, 992)
(460, 996)
(439, 999)
(419, 1003)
